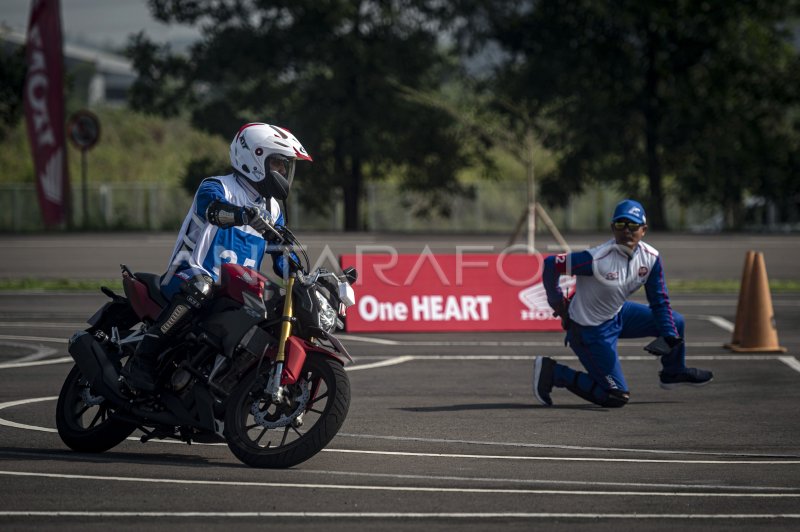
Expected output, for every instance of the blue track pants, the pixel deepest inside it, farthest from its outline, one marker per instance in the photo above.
(596, 348)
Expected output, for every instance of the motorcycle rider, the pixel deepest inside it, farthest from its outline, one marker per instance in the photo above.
(224, 224)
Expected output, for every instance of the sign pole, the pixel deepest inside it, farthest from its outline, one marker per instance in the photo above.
(84, 191)
(84, 132)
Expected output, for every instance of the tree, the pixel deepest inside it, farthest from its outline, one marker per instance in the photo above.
(12, 81)
(701, 91)
(329, 70)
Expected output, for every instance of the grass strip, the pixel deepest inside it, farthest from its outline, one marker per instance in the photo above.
(59, 285)
(727, 286)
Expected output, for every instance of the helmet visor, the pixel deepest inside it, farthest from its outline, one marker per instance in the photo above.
(282, 165)
(290, 177)
(279, 164)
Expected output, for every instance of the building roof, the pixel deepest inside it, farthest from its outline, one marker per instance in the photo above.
(104, 62)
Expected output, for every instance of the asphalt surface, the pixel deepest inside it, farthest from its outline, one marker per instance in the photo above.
(98, 255)
(443, 431)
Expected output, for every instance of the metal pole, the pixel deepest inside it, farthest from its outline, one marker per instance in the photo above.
(84, 192)
(531, 191)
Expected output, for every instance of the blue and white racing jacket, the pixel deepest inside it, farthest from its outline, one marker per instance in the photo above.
(203, 247)
(606, 276)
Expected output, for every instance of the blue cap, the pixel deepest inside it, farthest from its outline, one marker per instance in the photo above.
(630, 209)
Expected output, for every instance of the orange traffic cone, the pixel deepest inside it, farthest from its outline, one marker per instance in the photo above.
(759, 334)
(744, 296)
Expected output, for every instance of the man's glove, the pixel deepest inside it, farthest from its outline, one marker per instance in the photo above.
(562, 311)
(224, 215)
(673, 341)
(663, 345)
(251, 217)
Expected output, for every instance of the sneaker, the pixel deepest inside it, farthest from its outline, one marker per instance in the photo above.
(689, 376)
(543, 379)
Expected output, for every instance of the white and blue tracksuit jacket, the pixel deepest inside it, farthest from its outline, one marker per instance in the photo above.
(202, 247)
(606, 276)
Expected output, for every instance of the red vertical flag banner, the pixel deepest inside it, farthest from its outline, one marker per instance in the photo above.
(44, 109)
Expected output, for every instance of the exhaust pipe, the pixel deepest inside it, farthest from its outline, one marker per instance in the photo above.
(102, 374)
(94, 364)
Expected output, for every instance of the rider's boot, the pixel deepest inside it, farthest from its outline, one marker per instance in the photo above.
(142, 368)
(140, 372)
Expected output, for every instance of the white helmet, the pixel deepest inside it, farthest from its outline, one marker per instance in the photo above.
(266, 155)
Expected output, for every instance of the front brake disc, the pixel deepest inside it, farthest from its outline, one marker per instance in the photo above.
(272, 420)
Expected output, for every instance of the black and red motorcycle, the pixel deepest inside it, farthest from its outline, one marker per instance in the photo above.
(259, 368)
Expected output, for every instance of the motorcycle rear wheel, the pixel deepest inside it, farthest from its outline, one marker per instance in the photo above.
(86, 422)
(282, 447)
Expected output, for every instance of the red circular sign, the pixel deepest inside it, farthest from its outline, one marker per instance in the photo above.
(84, 129)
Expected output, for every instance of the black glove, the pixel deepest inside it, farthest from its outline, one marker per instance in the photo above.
(673, 341)
(224, 215)
(251, 217)
(562, 311)
(663, 345)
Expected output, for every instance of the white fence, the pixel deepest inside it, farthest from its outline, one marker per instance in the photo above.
(494, 207)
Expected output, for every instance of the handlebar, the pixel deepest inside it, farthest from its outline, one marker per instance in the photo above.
(283, 238)
(271, 233)
(288, 243)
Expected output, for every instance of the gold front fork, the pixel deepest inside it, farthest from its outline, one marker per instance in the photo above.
(286, 326)
(274, 388)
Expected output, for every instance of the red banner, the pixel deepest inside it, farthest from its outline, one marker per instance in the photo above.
(44, 110)
(463, 292)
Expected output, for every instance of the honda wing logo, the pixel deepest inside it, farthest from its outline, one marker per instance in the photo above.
(51, 179)
(535, 298)
(247, 278)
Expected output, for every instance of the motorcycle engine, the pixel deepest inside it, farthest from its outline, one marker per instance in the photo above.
(180, 379)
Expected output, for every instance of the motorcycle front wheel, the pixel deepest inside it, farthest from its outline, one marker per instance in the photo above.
(263, 435)
(85, 421)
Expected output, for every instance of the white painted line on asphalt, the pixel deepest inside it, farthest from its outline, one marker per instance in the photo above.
(392, 361)
(10, 404)
(13, 424)
(61, 360)
(21, 402)
(33, 338)
(384, 363)
(397, 515)
(410, 489)
(721, 322)
(555, 446)
(426, 343)
(565, 459)
(40, 325)
(367, 339)
(564, 358)
(791, 362)
(468, 480)
(39, 352)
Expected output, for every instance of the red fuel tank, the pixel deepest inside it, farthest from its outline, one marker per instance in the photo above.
(235, 280)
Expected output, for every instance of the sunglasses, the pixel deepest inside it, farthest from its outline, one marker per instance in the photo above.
(633, 226)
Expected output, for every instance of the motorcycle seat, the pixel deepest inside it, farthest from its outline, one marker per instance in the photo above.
(153, 283)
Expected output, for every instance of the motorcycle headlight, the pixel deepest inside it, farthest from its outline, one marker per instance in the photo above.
(327, 314)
